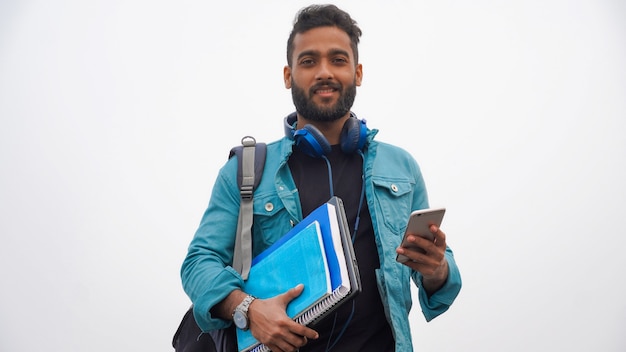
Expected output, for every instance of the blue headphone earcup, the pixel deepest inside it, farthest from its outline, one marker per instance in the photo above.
(353, 135)
(311, 141)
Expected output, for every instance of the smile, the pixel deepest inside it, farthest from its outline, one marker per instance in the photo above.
(325, 91)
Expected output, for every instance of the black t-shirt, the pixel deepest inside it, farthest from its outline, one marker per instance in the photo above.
(368, 329)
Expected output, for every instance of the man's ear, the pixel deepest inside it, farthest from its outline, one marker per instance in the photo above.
(358, 74)
(287, 76)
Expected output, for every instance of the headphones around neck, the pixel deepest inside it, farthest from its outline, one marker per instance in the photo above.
(313, 143)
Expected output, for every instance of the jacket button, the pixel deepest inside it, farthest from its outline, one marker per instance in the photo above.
(269, 206)
(394, 188)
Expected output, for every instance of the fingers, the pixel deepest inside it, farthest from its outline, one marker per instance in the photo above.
(293, 342)
(422, 245)
(440, 236)
(426, 254)
(290, 337)
(283, 333)
(300, 331)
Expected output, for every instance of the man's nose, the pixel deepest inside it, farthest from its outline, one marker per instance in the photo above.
(325, 71)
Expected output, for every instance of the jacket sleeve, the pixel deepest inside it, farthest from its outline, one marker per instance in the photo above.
(206, 272)
(440, 301)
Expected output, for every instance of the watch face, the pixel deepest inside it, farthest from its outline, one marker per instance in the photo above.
(240, 319)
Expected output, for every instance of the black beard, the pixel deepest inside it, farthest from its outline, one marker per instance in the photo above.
(311, 111)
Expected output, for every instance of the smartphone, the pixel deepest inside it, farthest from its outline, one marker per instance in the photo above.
(419, 224)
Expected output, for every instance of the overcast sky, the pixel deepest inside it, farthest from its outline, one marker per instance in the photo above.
(116, 116)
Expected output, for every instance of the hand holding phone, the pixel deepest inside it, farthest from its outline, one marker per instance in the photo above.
(419, 225)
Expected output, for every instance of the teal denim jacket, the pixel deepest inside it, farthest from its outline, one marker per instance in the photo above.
(394, 188)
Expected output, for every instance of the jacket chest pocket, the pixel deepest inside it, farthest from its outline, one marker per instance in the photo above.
(271, 222)
(393, 198)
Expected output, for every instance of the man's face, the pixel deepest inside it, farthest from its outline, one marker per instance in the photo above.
(323, 76)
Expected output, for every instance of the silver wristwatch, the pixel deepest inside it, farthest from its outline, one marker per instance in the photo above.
(240, 315)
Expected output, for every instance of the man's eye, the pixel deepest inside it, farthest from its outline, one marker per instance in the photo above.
(340, 60)
(307, 62)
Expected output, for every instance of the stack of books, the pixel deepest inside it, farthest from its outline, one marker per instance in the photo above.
(318, 253)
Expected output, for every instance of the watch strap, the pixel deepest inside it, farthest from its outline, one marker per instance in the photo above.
(245, 304)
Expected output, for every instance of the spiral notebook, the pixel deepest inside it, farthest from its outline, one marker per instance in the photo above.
(317, 252)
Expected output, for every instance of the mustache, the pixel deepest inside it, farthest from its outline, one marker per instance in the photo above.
(326, 83)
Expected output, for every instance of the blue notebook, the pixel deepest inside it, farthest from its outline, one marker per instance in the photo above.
(320, 249)
(326, 216)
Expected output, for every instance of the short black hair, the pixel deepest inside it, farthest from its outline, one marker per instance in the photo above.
(315, 16)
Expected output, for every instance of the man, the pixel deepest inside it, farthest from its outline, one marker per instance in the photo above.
(379, 184)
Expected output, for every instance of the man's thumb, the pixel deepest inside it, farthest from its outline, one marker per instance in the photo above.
(293, 293)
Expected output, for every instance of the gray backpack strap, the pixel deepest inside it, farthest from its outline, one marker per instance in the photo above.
(251, 160)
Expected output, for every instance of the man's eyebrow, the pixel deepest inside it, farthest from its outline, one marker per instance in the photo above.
(334, 52)
(313, 53)
(316, 53)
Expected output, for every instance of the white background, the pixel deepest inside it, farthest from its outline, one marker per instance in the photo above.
(116, 115)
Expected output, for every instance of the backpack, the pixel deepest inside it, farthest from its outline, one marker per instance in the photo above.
(251, 161)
